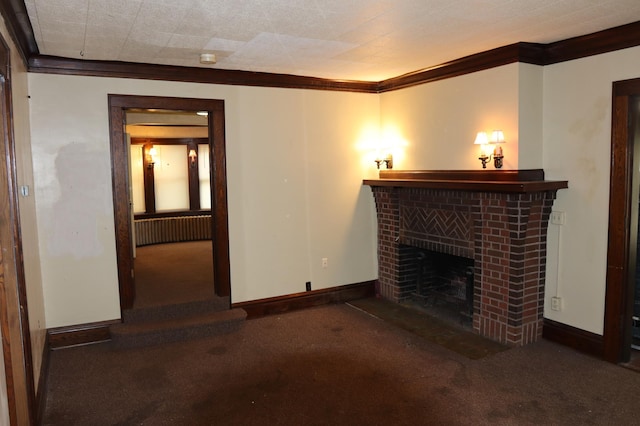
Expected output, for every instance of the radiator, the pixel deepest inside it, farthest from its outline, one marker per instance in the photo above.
(172, 229)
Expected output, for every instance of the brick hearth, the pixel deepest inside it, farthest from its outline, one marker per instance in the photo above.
(501, 226)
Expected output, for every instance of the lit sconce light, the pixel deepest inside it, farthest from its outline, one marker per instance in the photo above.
(151, 157)
(497, 137)
(193, 158)
(483, 141)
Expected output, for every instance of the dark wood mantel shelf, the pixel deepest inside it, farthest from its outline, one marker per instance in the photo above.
(517, 181)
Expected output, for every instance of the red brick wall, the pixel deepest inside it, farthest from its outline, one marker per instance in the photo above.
(504, 233)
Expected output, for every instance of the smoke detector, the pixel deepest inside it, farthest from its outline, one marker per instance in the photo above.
(207, 58)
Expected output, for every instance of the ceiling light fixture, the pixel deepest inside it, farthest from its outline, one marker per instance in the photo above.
(207, 58)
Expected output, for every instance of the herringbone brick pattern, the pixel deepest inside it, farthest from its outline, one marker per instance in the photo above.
(436, 222)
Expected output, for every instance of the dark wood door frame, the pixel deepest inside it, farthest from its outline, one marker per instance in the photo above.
(623, 222)
(14, 313)
(120, 176)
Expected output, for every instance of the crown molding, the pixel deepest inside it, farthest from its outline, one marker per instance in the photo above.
(19, 26)
(608, 40)
(66, 66)
(518, 52)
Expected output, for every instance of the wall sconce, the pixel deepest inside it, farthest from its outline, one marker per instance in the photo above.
(497, 137)
(483, 141)
(151, 157)
(193, 158)
(388, 161)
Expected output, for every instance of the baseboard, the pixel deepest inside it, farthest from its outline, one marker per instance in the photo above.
(41, 394)
(80, 334)
(292, 302)
(580, 340)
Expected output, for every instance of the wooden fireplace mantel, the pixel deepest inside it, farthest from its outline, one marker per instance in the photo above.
(515, 181)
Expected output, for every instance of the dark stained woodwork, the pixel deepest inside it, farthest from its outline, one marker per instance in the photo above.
(622, 227)
(292, 302)
(149, 179)
(532, 53)
(518, 52)
(65, 66)
(122, 217)
(572, 337)
(19, 26)
(474, 175)
(608, 40)
(516, 181)
(80, 334)
(219, 207)
(14, 312)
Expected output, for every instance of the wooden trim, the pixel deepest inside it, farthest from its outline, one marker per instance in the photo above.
(219, 206)
(294, 302)
(622, 221)
(66, 66)
(19, 26)
(80, 334)
(472, 175)
(475, 186)
(14, 312)
(605, 41)
(580, 340)
(518, 52)
(218, 173)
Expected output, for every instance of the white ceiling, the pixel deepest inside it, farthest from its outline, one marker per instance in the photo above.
(338, 39)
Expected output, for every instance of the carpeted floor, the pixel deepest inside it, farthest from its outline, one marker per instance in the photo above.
(173, 273)
(333, 365)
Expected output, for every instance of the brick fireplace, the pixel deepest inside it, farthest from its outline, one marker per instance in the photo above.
(498, 219)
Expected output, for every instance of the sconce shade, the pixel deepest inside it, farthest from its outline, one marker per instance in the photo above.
(481, 139)
(497, 136)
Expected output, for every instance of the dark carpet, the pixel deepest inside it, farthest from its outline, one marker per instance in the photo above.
(173, 273)
(444, 333)
(333, 365)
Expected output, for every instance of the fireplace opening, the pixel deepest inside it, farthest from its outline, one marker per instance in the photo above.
(441, 284)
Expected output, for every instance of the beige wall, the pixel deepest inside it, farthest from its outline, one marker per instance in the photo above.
(294, 170)
(295, 163)
(437, 122)
(577, 147)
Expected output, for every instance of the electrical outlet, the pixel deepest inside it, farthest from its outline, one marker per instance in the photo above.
(557, 218)
(556, 303)
(325, 262)
(308, 285)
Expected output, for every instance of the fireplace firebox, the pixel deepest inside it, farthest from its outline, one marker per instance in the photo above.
(498, 220)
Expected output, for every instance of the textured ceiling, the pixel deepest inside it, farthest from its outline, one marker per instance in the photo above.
(339, 39)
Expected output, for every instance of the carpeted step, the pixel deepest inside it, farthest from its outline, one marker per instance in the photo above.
(175, 311)
(148, 333)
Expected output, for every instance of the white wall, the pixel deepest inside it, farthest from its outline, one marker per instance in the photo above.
(577, 147)
(294, 170)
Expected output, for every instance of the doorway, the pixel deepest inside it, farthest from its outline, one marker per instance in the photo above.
(118, 107)
(623, 221)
